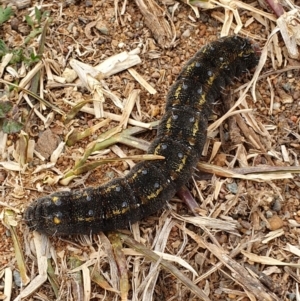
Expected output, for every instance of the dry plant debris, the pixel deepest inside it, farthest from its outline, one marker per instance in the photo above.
(96, 73)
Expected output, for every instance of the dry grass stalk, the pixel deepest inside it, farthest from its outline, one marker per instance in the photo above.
(172, 269)
(264, 173)
(111, 116)
(166, 256)
(90, 77)
(41, 243)
(142, 81)
(132, 99)
(8, 283)
(4, 62)
(289, 28)
(215, 150)
(19, 3)
(208, 222)
(262, 61)
(119, 62)
(293, 249)
(10, 165)
(268, 260)
(27, 79)
(118, 151)
(272, 235)
(221, 18)
(239, 273)
(249, 133)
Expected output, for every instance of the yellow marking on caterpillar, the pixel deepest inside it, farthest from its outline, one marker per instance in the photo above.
(135, 175)
(79, 196)
(74, 197)
(241, 54)
(55, 199)
(202, 99)
(110, 188)
(195, 129)
(211, 80)
(177, 92)
(154, 194)
(111, 214)
(224, 64)
(56, 220)
(182, 164)
(169, 123)
(85, 219)
(190, 67)
(120, 211)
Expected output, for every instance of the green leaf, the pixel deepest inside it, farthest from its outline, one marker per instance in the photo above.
(17, 56)
(38, 14)
(46, 14)
(29, 21)
(35, 58)
(3, 48)
(10, 126)
(5, 14)
(5, 107)
(33, 34)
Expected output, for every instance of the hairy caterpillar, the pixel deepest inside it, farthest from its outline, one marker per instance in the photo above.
(180, 139)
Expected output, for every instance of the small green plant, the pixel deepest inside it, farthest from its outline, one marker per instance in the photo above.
(36, 23)
(5, 14)
(17, 53)
(7, 123)
(25, 55)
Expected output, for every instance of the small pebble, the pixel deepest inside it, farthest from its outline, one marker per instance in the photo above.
(220, 160)
(276, 105)
(3, 175)
(232, 187)
(275, 222)
(154, 110)
(129, 34)
(276, 206)
(69, 75)
(269, 214)
(114, 43)
(175, 70)
(187, 33)
(14, 23)
(296, 95)
(155, 75)
(245, 224)
(291, 296)
(17, 278)
(222, 238)
(286, 98)
(232, 296)
(176, 60)
(102, 27)
(294, 118)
